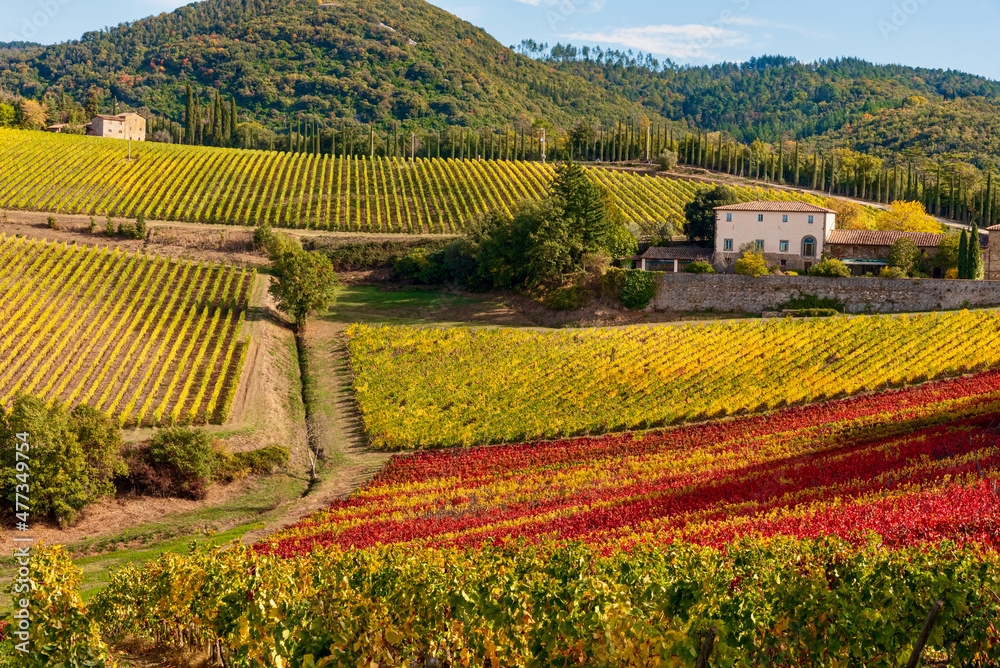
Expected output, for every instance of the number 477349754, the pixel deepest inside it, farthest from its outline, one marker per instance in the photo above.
(21, 491)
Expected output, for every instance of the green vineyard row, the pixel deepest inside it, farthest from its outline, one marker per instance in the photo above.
(146, 339)
(94, 176)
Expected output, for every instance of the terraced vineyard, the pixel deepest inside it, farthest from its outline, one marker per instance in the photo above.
(146, 339)
(420, 387)
(90, 175)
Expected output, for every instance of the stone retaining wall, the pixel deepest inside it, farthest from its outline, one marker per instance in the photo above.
(731, 292)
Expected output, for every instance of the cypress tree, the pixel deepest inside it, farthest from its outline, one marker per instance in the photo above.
(974, 265)
(217, 131)
(988, 205)
(797, 173)
(937, 192)
(963, 256)
(234, 124)
(198, 126)
(189, 133)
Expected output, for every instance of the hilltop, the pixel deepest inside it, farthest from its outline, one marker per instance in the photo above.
(847, 102)
(369, 61)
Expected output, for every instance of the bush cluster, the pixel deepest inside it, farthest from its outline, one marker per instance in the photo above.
(364, 255)
(184, 462)
(75, 456)
(806, 301)
(634, 288)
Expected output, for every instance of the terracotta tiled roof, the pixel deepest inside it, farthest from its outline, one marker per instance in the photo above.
(678, 253)
(882, 238)
(762, 205)
(119, 117)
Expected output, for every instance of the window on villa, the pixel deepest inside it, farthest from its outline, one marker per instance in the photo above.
(811, 220)
(784, 219)
(808, 247)
(729, 217)
(727, 244)
(784, 262)
(660, 265)
(783, 246)
(760, 244)
(760, 218)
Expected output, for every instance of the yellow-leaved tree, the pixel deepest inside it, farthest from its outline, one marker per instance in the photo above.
(907, 217)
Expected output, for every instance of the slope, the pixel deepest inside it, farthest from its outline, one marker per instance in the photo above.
(369, 60)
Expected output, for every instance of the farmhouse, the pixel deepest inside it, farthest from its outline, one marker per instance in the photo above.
(795, 235)
(129, 125)
(792, 235)
(672, 259)
(867, 251)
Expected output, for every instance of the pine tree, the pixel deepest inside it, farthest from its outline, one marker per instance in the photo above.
(963, 256)
(974, 265)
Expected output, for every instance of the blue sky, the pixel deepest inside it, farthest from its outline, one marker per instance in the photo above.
(958, 34)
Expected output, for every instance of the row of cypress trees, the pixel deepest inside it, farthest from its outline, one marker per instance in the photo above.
(212, 125)
(970, 256)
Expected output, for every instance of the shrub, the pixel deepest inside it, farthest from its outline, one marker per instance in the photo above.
(263, 461)
(52, 223)
(791, 273)
(634, 288)
(140, 226)
(568, 298)
(109, 228)
(815, 313)
(363, 255)
(228, 466)
(805, 302)
(751, 264)
(263, 235)
(831, 268)
(700, 267)
(92, 226)
(101, 441)
(73, 457)
(186, 457)
(420, 266)
(892, 272)
(667, 160)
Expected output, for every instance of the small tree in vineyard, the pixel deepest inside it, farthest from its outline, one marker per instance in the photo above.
(303, 283)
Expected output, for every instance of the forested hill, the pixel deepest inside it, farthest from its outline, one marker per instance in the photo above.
(845, 102)
(368, 60)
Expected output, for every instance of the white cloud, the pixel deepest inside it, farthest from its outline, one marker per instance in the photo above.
(678, 42)
(567, 6)
(753, 22)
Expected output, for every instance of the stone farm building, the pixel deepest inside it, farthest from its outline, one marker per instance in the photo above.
(123, 126)
(796, 235)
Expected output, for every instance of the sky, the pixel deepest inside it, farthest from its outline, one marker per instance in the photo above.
(955, 34)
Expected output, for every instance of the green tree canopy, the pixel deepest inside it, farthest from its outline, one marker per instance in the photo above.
(303, 282)
(700, 213)
(73, 457)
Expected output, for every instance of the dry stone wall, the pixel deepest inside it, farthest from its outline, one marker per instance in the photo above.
(731, 292)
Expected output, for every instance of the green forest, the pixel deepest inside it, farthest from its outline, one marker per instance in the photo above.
(379, 78)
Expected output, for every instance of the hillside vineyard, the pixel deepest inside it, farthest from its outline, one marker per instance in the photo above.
(88, 175)
(421, 387)
(148, 340)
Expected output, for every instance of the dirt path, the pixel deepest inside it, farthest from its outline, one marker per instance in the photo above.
(345, 461)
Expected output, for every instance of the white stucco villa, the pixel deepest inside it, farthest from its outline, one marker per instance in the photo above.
(791, 234)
